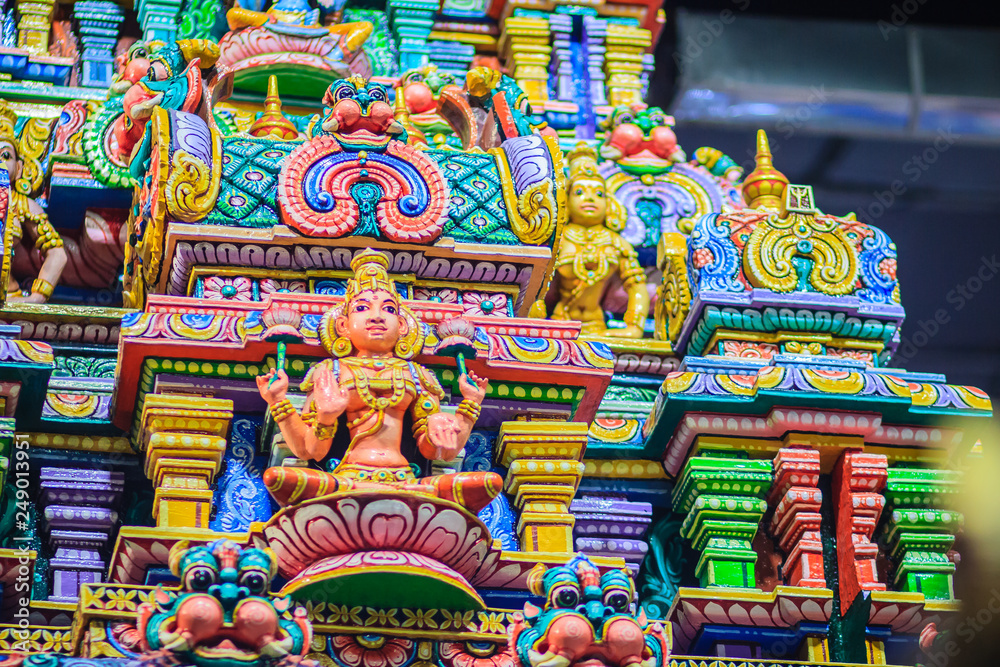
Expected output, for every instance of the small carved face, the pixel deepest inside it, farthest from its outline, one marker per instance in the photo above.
(640, 135)
(422, 87)
(372, 322)
(9, 161)
(588, 202)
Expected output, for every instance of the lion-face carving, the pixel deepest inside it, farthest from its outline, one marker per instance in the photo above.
(587, 621)
(222, 616)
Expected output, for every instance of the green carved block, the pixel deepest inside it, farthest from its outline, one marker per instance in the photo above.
(918, 535)
(723, 515)
(727, 567)
(721, 476)
(721, 496)
(934, 585)
(921, 487)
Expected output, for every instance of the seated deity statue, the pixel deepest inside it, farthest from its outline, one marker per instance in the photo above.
(372, 382)
(27, 223)
(591, 251)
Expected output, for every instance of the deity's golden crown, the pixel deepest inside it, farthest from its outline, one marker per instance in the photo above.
(582, 164)
(370, 273)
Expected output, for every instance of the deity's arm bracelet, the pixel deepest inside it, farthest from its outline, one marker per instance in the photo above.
(282, 410)
(469, 409)
(43, 287)
(325, 432)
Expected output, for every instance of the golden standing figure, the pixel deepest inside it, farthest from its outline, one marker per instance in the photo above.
(592, 251)
(26, 217)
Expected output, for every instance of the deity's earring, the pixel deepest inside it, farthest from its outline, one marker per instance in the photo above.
(617, 216)
(23, 182)
(341, 346)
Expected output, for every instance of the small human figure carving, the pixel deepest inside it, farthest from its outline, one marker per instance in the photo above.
(372, 381)
(26, 217)
(592, 251)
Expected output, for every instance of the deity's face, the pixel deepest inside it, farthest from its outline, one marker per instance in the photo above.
(588, 202)
(372, 322)
(9, 161)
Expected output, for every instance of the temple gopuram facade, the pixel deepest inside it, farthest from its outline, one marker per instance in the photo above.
(407, 335)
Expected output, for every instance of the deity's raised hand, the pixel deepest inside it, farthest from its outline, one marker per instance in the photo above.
(442, 431)
(272, 392)
(473, 387)
(329, 398)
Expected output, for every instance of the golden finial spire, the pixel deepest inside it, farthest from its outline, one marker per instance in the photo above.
(765, 186)
(272, 123)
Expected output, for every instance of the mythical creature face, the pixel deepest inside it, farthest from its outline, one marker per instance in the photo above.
(641, 139)
(586, 621)
(421, 87)
(132, 65)
(170, 77)
(372, 322)
(222, 617)
(359, 116)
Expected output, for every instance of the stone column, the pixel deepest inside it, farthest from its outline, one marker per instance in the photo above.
(919, 533)
(858, 479)
(158, 19)
(411, 22)
(595, 33)
(34, 25)
(561, 58)
(544, 462)
(624, 63)
(796, 521)
(525, 47)
(721, 496)
(80, 515)
(184, 439)
(97, 28)
(610, 525)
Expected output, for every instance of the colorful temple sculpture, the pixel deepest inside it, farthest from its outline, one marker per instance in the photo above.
(408, 335)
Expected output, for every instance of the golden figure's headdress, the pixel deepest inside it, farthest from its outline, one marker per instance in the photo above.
(583, 167)
(8, 123)
(371, 273)
(582, 164)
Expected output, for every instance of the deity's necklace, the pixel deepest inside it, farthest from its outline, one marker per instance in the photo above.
(588, 254)
(377, 405)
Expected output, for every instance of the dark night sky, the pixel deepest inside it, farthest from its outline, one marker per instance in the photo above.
(946, 225)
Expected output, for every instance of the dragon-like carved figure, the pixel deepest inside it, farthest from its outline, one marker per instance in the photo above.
(222, 616)
(436, 105)
(359, 116)
(641, 140)
(172, 77)
(587, 621)
(504, 109)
